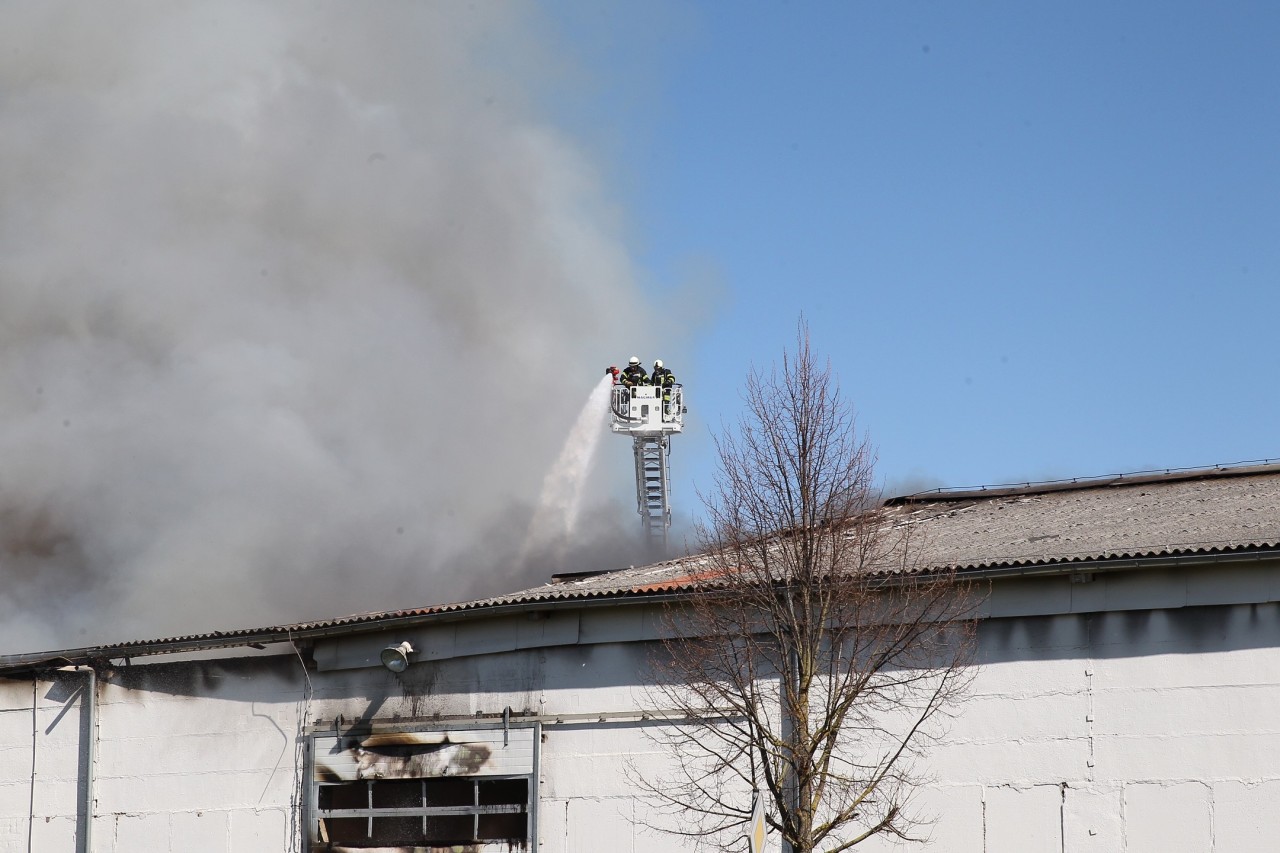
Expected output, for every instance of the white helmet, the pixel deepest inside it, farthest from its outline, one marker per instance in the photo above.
(657, 362)
(635, 359)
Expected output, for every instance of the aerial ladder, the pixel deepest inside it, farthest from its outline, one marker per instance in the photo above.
(642, 413)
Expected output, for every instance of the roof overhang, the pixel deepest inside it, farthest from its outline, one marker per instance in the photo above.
(299, 637)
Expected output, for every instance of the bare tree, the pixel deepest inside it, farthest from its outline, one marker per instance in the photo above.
(812, 659)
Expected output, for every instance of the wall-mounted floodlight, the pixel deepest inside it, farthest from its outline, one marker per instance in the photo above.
(396, 658)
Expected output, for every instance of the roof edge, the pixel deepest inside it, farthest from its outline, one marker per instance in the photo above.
(25, 663)
(1136, 478)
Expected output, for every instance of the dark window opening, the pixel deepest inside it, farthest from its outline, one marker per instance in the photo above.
(500, 827)
(438, 812)
(392, 795)
(343, 830)
(449, 792)
(503, 791)
(354, 796)
(387, 788)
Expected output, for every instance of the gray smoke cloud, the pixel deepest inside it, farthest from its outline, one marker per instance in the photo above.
(283, 288)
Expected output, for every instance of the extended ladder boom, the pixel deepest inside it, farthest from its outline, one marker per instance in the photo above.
(653, 485)
(650, 420)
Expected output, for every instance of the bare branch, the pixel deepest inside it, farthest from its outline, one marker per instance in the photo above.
(834, 658)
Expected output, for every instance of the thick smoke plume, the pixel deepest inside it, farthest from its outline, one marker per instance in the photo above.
(297, 303)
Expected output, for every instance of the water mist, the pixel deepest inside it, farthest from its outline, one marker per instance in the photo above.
(555, 519)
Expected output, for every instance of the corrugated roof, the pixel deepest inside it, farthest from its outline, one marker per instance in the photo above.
(1209, 511)
(1170, 514)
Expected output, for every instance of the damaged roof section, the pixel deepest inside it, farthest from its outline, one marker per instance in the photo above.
(1200, 513)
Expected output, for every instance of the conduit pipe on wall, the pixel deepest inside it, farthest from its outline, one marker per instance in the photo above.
(35, 730)
(340, 726)
(90, 705)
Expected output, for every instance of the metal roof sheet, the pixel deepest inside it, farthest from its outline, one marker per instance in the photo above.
(1210, 511)
(1179, 513)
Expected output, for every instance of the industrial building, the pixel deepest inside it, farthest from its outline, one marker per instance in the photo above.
(1129, 665)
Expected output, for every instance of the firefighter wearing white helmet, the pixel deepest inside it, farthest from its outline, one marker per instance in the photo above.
(664, 379)
(634, 374)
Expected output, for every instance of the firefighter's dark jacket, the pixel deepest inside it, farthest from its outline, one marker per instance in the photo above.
(634, 375)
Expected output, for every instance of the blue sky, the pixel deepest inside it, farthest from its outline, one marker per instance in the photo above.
(1036, 240)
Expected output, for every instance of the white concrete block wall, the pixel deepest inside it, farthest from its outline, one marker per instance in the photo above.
(148, 831)
(1085, 732)
(16, 727)
(204, 763)
(593, 823)
(1092, 819)
(1023, 820)
(199, 831)
(582, 762)
(947, 818)
(53, 832)
(590, 795)
(1168, 817)
(1245, 816)
(39, 800)
(952, 817)
(260, 829)
(191, 765)
(13, 833)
